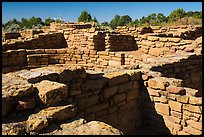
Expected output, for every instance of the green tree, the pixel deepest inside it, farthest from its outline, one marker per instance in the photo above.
(24, 23)
(95, 20)
(124, 20)
(160, 18)
(84, 17)
(105, 23)
(48, 21)
(114, 22)
(58, 21)
(34, 22)
(176, 14)
(143, 20)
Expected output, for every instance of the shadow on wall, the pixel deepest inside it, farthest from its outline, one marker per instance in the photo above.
(64, 44)
(189, 70)
(152, 122)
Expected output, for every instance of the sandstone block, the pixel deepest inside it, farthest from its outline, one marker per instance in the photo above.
(37, 75)
(195, 100)
(176, 114)
(162, 108)
(157, 83)
(93, 84)
(153, 92)
(97, 108)
(194, 124)
(40, 120)
(132, 94)
(175, 105)
(87, 102)
(192, 130)
(13, 129)
(182, 99)
(110, 91)
(153, 38)
(95, 128)
(174, 40)
(176, 90)
(119, 97)
(51, 92)
(13, 86)
(192, 108)
(115, 78)
(125, 87)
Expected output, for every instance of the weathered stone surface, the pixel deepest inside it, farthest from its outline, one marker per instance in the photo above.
(176, 90)
(14, 86)
(192, 130)
(195, 100)
(175, 105)
(94, 128)
(13, 129)
(119, 97)
(132, 94)
(157, 83)
(115, 78)
(162, 108)
(192, 108)
(93, 84)
(37, 75)
(85, 103)
(192, 92)
(182, 99)
(51, 92)
(110, 91)
(40, 120)
(153, 92)
(125, 87)
(194, 124)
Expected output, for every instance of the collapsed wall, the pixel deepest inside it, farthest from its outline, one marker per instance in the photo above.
(167, 97)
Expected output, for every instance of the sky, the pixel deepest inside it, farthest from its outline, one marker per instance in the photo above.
(103, 11)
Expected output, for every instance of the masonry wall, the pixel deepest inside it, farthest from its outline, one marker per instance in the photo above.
(118, 42)
(111, 97)
(159, 46)
(40, 41)
(171, 108)
(189, 70)
(6, 36)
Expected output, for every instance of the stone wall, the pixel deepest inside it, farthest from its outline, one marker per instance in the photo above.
(186, 32)
(118, 42)
(40, 41)
(159, 46)
(6, 36)
(110, 97)
(188, 69)
(171, 108)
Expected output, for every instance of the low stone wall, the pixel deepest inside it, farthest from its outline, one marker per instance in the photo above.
(30, 33)
(74, 25)
(40, 41)
(186, 32)
(171, 108)
(159, 46)
(118, 42)
(110, 97)
(188, 69)
(6, 36)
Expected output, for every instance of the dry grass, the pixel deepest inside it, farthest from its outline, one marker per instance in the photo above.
(184, 21)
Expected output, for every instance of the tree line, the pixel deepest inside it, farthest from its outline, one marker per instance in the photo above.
(152, 19)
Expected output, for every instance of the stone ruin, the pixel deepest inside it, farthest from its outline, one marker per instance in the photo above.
(75, 79)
